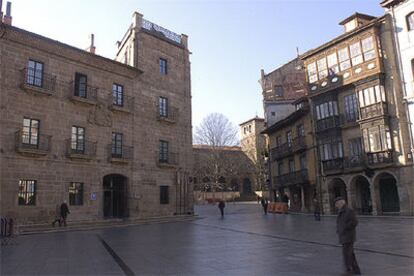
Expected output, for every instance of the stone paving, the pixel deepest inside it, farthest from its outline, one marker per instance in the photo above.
(244, 242)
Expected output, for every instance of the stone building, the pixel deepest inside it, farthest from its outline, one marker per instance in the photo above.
(362, 135)
(112, 137)
(280, 88)
(293, 157)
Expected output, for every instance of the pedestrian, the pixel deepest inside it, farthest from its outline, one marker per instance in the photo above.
(265, 203)
(346, 223)
(221, 206)
(57, 216)
(64, 211)
(317, 209)
(285, 200)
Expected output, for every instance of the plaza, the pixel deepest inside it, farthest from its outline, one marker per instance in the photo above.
(244, 242)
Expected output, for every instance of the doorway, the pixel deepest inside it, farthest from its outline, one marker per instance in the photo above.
(115, 196)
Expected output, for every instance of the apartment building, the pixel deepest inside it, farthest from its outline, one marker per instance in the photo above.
(112, 137)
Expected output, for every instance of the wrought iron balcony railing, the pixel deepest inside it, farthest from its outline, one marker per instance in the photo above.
(381, 157)
(292, 178)
(328, 123)
(80, 149)
(160, 30)
(167, 159)
(88, 94)
(374, 110)
(33, 144)
(333, 164)
(356, 161)
(123, 103)
(120, 154)
(288, 148)
(38, 81)
(171, 114)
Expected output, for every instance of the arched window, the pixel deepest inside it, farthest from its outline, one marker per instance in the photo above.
(410, 21)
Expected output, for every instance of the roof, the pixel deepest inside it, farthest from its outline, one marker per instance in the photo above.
(390, 3)
(253, 119)
(355, 15)
(208, 147)
(293, 117)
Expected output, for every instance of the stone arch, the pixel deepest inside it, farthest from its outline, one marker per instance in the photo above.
(336, 188)
(360, 194)
(387, 193)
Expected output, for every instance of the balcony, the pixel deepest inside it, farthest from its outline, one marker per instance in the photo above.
(354, 162)
(171, 116)
(288, 148)
(332, 165)
(39, 145)
(121, 155)
(293, 178)
(170, 160)
(38, 82)
(374, 110)
(85, 150)
(125, 104)
(380, 158)
(328, 123)
(89, 95)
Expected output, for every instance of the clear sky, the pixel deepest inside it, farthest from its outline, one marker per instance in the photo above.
(230, 40)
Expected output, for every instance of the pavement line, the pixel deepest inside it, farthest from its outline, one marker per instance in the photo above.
(125, 268)
(303, 241)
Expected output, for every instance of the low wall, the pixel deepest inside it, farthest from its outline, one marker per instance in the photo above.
(209, 197)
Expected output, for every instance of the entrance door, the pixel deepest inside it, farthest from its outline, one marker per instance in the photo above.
(115, 196)
(363, 196)
(390, 201)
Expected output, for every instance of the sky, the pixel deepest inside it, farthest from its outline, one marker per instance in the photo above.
(230, 41)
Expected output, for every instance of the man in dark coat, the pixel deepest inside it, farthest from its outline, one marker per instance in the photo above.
(221, 206)
(346, 223)
(265, 203)
(64, 211)
(317, 209)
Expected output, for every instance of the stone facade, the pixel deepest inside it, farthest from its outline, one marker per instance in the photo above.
(99, 150)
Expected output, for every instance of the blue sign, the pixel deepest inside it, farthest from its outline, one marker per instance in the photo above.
(93, 196)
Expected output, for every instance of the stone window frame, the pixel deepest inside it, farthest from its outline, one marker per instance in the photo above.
(76, 188)
(28, 76)
(163, 106)
(117, 143)
(164, 151)
(30, 132)
(25, 194)
(77, 85)
(75, 143)
(118, 94)
(163, 63)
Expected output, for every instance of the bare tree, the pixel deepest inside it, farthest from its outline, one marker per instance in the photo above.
(216, 131)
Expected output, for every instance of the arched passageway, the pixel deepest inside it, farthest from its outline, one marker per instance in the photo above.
(337, 188)
(388, 193)
(361, 193)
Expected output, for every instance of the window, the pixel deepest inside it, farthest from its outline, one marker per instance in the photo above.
(332, 64)
(331, 151)
(322, 68)
(371, 95)
(300, 130)
(355, 147)
(291, 165)
(250, 128)
(302, 159)
(278, 90)
(30, 134)
(327, 109)
(27, 192)
(117, 144)
(163, 66)
(280, 168)
(244, 130)
(410, 21)
(278, 140)
(377, 138)
(368, 48)
(343, 57)
(117, 94)
(289, 138)
(164, 192)
(76, 193)
(312, 72)
(163, 151)
(34, 73)
(163, 105)
(351, 108)
(356, 54)
(78, 139)
(80, 85)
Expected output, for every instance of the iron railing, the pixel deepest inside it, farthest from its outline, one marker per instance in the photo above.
(333, 164)
(38, 80)
(90, 93)
(373, 110)
(171, 116)
(355, 161)
(83, 149)
(160, 30)
(328, 123)
(288, 148)
(292, 178)
(124, 153)
(125, 103)
(39, 143)
(381, 157)
(169, 158)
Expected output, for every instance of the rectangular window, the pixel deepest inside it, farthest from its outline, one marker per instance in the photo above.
(117, 94)
(368, 48)
(163, 104)
(312, 72)
(332, 64)
(278, 140)
(117, 144)
(302, 160)
(278, 90)
(280, 168)
(164, 194)
(327, 109)
(78, 139)
(76, 193)
(301, 130)
(27, 192)
(163, 158)
(355, 147)
(343, 57)
(322, 68)
(377, 138)
(374, 138)
(291, 166)
(30, 133)
(289, 138)
(351, 108)
(81, 85)
(356, 54)
(163, 66)
(34, 73)
(371, 95)
(331, 151)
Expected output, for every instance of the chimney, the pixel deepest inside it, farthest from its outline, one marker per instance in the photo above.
(1, 11)
(92, 47)
(7, 19)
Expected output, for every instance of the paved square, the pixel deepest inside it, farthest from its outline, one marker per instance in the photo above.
(244, 242)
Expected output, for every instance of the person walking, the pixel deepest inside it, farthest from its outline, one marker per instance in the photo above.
(316, 209)
(57, 216)
(221, 206)
(346, 223)
(64, 211)
(265, 203)
(285, 200)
